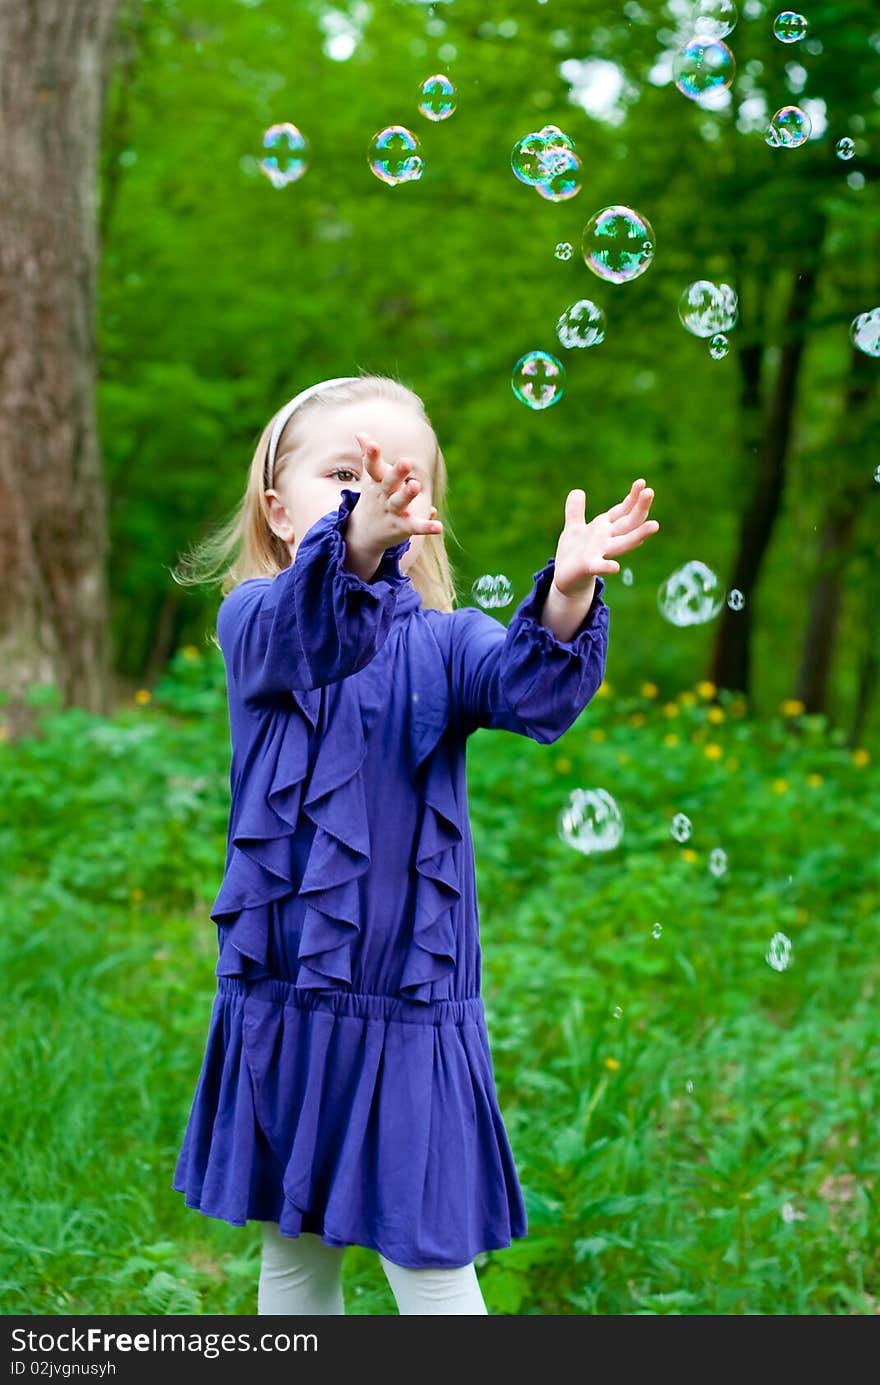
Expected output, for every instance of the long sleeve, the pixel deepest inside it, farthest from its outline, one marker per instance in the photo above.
(521, 678)
(313, 623)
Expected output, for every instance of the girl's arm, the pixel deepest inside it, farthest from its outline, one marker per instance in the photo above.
(522, 678)
(313, 623)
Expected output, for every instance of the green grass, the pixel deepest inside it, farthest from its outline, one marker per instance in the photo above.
(711, 1149)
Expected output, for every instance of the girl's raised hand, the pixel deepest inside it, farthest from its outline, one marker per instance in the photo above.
(586, 550)
(382, 517)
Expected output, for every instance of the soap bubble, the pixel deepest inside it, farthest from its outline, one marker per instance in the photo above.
(583, 324)
(564, 182)
(437, 97)
(289, 159)
(537, 155)
(789, 128)
(491, 591)
(779, 955)
(626, 576)
(590, 821)
(718, 861)
(735, 599)
(681, 827)
(714, 18)
(393, 155)
(845, 148)
(617, 1012)
(719, 346)
(790, 27)
(657, 930)
(691, 595)
(538, 379)
(707, 309)
(563, 250)
(703, 66)
(618, 244)
(864, 332)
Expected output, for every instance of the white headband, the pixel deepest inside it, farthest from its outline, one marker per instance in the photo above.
(288, 409)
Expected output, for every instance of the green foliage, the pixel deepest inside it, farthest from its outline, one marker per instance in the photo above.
(711, 1149)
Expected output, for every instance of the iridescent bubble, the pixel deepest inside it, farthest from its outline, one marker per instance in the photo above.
(563, 250)
(590, 821)
(864, 332)
(564, 182)
(718, 860)
(538, 379)
(704, 65)
(437, 97)
(845, 148)
(790, 27)
(714, 18)
(617, 1012)
(618, 244)
(681, 827)
(583, 324)
(393, 155)
(626, 576)
(707, 309)
(490, 591)
(735, 599)
(779, 955)
(691, 595)
(537, 155)
(289, 159)
(789, 128)
(719, 347)
(657, 930)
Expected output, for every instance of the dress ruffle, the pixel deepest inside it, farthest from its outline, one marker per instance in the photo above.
(344, 1114)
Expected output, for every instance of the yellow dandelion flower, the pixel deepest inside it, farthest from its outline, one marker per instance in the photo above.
(612, 1064)
(706, 688)
(563, 764)
(689, 854)
(713, 751)
(791, 707)
(603, 690)
(137, 895)
(670, 738)
(815, 780)
(597, 734)
(861, 756)
(650, 690)
(687, 698)
(670, 709)
(189, 651)
(143, 696)
(779, 786)
(715, 714)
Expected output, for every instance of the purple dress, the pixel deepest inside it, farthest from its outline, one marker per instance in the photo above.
(347, 1086)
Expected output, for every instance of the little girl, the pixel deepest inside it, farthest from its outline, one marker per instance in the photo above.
(347, 1093)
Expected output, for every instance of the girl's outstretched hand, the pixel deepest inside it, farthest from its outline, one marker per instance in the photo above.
(382, 517)
(586, 550)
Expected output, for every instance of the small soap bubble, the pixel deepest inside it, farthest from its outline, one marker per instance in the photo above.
(491, 591)
(583, 324)
(691, 595)
(681, 827)
(702, 67)
(564, 182)
(393, 155)
(708, 309)
(719, 347)
(689, 1086)
(538, 379)
(735, 599)
(855, 179)
(864, 332)
(563, 250)
(657, 930)
(617, 1012)
(714, 18)
(626, 576)
(288, 160)
(590, 821)
(790, 27)
(437, 97)
(845, 148)
(877, 475)
(789, 128)
(779, 955)
(718, 861)
(618, 244)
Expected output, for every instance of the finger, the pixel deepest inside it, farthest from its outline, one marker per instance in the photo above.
(372, 455)
(627, 522)
(575, 507)
(399, 484)
(625, 506)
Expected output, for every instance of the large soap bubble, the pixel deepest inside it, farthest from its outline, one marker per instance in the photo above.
(618, 244)
(703, 66)
(540, 154)
(790, 27)
(789, 128)
(706, 308)
(288, 159)
(437, 97)
(590, 821)
(864, 332)
(393, 155)
(691, 595)
(583, 324)
(714, 18)
(538, 379)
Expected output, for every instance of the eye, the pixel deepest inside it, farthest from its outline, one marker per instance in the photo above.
(345, 471)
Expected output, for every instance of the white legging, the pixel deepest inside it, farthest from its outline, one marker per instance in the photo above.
(302, 1274)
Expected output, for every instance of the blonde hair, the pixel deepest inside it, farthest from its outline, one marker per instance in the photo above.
(245, 546)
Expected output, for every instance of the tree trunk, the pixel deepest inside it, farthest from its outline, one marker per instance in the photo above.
(730, 662)
(55, 57)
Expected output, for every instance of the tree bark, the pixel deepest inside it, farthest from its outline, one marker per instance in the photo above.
(55, 56)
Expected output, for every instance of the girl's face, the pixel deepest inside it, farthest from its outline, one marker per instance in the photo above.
(328, 460)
